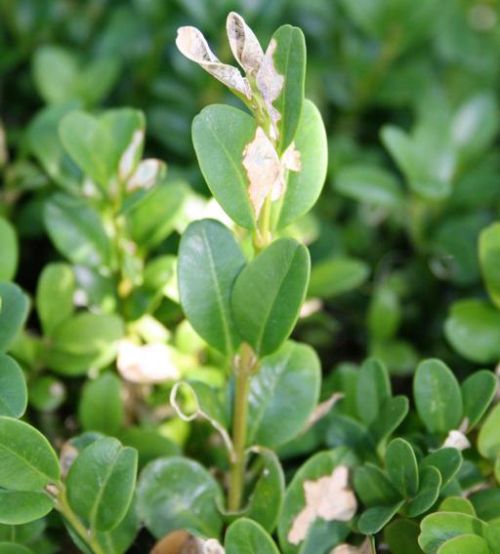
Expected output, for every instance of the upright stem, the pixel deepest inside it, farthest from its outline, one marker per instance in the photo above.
(243, 373)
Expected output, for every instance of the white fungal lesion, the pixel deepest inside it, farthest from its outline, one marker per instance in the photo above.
(329, 498)
(129, 158)
(146, 175)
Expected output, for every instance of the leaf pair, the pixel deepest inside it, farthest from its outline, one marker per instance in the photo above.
(227, 300)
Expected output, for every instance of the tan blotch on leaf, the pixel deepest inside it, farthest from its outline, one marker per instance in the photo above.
(456, 439)
(265, 170)
(182, 542)
(329, 498)
(145, 364)
(270, 84)
(364, 548)
(244, 44)
(192, 44)
(146, 175)
(130, 156)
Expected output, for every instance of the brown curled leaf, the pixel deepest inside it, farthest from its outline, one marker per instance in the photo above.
(192, 44)
(328, 498)
(244, 44)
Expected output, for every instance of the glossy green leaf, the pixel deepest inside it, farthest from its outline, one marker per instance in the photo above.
(268, 294)
(149, 443)
(122, 537)
(84, 341)
(102, 405)
(101, 482)
(373, 389)
(20, 507)
(177, 493)
(245, 536)
(54, 295)
(77, 231)
(220, 134)
(374, 519)
(465, 544)
(401, 466)
(304, 187)
(428, 492)
(14, 548)
(457, 504)
(486, 503)
(370, 185)
(473, 329)
(446, 460)
(437, 396)
(478, 391)
(13, 392)
(319, 465)
(440, 527)
(489, 256)
(290, 61)
(292, 372)
(8, 250)
(14, 305)
(392, 413)
(334, 276)
(401, 536)
(488, 442)
(374, 487)
(266, 499)
(27, 461)
(209, 262)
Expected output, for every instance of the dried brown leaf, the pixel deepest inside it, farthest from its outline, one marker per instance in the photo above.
(244, 44)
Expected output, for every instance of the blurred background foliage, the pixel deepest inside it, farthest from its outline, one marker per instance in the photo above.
(408, 91)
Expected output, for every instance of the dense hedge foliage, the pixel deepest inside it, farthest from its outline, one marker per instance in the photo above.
(124, 212)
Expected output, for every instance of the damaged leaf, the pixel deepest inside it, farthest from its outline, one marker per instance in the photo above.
(192, 44)
(147, 174)
(182, 542)
(244, 44)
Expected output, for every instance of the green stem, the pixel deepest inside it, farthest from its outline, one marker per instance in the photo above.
(243, 373)
(65, 509)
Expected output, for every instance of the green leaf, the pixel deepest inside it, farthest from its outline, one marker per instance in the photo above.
(14, 305)
(149, 443)
(457, 504)
(20, 507)
(76, 230)
(488, 441)
(428, 493)
(370, 185)
(101, 482)
(374, 487)
(304, 187)
(14, 548)
(101, 406)
(489, 256)
(465, 544)
(437, 396)
(84, 341)
(27, 461)
(54, 295)
(478, 391)
(318, 466)
(220, 134)
(268, 294)
(401, 466)
(440, 527)
(446, 460)
(122, 537)
(486, 503)
(290, 62)
(373, 389)
(177, 493)
(46, 393)
(384, 313)
(154, 217)
(55, 72)
(401, 536)
(209, 262)
(244, 536)
(473, 329)
(8, 250)
(374, 519)
(292, 372)
(334, 276)
(13, 391)
(392, 413)
(266, 500)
